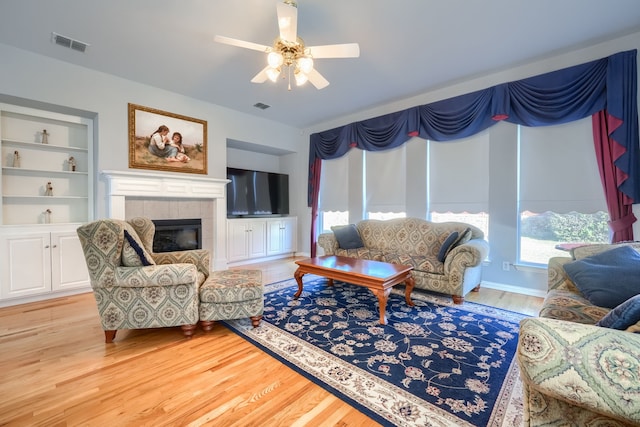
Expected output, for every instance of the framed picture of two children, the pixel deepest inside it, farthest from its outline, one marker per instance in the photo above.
(159, 140)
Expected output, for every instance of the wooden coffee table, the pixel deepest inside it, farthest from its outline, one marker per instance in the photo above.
(378, 276)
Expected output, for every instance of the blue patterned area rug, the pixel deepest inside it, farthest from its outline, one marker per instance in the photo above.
(435, 364)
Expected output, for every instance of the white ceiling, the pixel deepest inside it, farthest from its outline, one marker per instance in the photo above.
(407, 47)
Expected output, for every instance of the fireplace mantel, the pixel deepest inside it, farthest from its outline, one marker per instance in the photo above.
(138, 183)
(123, 184)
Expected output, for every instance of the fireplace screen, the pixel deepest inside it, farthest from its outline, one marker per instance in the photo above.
(177, 235)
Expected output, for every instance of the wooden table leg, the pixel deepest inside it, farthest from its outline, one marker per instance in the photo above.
(409, 284)
(382, 296)
(298, 276)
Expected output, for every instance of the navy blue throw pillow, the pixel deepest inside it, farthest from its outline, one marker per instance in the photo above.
(347, 236)
(609, 278)
(136, 247)
(623, 316)
(446, 245)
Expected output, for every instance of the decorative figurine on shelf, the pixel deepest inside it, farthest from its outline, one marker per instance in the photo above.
(72, 164)
(16, 159)
(45, 137)
(49, 191)
(47, 216)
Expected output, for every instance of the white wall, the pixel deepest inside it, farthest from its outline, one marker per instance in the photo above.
(244, 159)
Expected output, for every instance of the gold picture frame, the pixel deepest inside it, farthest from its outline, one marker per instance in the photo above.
(144, 131)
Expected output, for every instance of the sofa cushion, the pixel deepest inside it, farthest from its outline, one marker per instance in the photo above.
(362, 253)
(609, 278)
(418, 262)
(133, 253)
(347, 236)
(623, 316)
(464, 237)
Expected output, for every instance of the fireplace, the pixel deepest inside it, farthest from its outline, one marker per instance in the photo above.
(177, 235)
(163, 196)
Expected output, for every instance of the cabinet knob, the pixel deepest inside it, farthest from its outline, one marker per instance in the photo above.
(46, 247)
(55, 246)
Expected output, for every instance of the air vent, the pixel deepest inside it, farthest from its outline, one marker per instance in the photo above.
(261, 106)
(68, 42)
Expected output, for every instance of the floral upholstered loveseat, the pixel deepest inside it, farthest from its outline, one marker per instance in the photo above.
(575, 373)
(417, 242)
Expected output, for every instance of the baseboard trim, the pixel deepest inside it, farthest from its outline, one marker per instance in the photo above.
(514, 289)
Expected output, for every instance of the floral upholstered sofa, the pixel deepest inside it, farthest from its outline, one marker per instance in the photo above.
(578, 367)
(421, 244)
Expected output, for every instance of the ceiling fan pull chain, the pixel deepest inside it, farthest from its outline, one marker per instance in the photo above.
(289, 69)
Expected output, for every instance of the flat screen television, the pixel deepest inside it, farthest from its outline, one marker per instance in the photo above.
(254, 193)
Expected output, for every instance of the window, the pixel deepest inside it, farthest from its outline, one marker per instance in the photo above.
(560, 195)
(333, 202)
(459, 181)
(331, 218)
(385, 183)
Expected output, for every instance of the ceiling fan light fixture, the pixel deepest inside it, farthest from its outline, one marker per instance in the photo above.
(275, 59)
(305, 64)
(301, 78)
(289, 50)
(273, 73)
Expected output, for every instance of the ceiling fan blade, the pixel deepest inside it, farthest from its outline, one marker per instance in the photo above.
(261, 77)
(242, 43)
(347, 50)
(317, 79)
(288, 21)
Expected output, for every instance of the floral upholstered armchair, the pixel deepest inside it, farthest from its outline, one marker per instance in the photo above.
(580, 361)
(136, 288)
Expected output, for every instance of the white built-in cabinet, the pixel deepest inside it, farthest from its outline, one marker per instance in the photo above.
(249, 239)
(281, 236)
(41, 264)
(40, 253)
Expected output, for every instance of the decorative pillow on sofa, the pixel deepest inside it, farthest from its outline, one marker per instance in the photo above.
(447, 245)
(133, 253)
(609, 278)
(454, 239)
(623, 316)
(347, 236)
(464, 237)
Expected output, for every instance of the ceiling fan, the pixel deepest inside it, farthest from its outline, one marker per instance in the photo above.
(289, 51)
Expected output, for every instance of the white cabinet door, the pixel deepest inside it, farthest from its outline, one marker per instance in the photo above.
(26, 261)
(274, 237)
(289, 235)
(281, 236)
(68, 266)
(237, 240)
(257, 238)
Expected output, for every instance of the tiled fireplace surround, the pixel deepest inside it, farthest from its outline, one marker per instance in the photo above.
(156, 196)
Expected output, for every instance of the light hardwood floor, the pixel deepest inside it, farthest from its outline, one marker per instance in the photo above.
(56, 370)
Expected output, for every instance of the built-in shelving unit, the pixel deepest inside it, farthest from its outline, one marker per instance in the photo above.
(47, 192)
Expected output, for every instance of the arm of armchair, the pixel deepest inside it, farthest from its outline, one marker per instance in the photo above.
(470, 254)
(595, 369)
(199, 257)
(328, 243)
(156, 275)
(556, 276)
